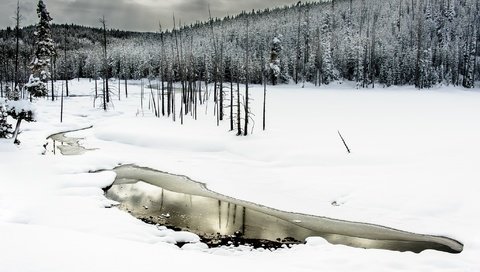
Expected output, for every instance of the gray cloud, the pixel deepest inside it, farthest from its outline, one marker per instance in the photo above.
(137, 15)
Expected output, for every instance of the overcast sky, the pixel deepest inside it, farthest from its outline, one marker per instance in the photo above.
(136, 15)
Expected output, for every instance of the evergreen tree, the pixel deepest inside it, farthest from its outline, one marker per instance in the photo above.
(469, 59)
(449, 10)
(5, 127)
(44, 49)
(275, 68)
(328, 72)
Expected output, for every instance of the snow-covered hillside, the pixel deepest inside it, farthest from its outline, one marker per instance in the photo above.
(413, 166)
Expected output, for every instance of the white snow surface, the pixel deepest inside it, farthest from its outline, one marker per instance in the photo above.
(413, 166)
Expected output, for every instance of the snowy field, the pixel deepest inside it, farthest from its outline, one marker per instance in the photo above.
(413, 166)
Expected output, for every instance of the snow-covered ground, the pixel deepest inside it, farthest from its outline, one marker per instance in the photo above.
(413, 166)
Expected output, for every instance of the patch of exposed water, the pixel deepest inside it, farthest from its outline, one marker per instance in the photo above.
(66, 145)
(181, 203)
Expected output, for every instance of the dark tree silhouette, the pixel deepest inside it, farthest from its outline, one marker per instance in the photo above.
(44, 50)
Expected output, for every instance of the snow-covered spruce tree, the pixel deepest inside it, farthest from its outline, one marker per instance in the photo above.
(20, 110)
(44, 49)
(328, 72)
(12, 94)
(275, 67)
(5, 127)
(469, 60)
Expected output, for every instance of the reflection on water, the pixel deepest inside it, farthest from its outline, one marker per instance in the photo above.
(202, 215)
(176, 201)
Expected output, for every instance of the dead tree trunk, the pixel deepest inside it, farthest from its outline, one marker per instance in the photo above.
(65, 72)
(247, 60)
(52, 71)
(17, 18)
(126, 88)
(239, 118)
(264, 102)
(231, 97)
(61, 107)
(180, 69)
(162, 75)
(17, 129)
(106, 92)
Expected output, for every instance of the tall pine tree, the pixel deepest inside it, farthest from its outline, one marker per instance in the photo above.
(44, 49)
(275, 67)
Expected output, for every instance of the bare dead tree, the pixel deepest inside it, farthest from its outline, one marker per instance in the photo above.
(65, 71)
(179, 68)
(18, 18)
(239, 124)
(247, 64)
(142, 95)
(153, 98)
(53, 61)
(106, 95)
(264, 101)
(215, 65)
(162, 69)
(61, 106)
(231, 96)
(221, 74)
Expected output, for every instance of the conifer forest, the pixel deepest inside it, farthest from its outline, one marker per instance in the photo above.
(374, 43)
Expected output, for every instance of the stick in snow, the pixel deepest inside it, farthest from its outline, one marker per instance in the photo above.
(343, 140)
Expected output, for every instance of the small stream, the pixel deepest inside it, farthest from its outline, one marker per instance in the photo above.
(180, 203)
(176, 201)
(68, 146)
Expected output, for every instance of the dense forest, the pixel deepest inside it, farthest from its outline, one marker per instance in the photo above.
(387, 42)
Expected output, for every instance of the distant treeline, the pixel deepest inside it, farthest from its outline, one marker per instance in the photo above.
(387, 42)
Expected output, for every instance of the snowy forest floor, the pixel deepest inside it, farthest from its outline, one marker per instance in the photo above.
(413, 166)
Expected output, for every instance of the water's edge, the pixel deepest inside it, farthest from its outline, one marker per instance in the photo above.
(163, 198)
(300, 226)
(68, 145)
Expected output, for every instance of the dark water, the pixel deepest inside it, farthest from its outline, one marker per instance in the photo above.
(178, 202)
